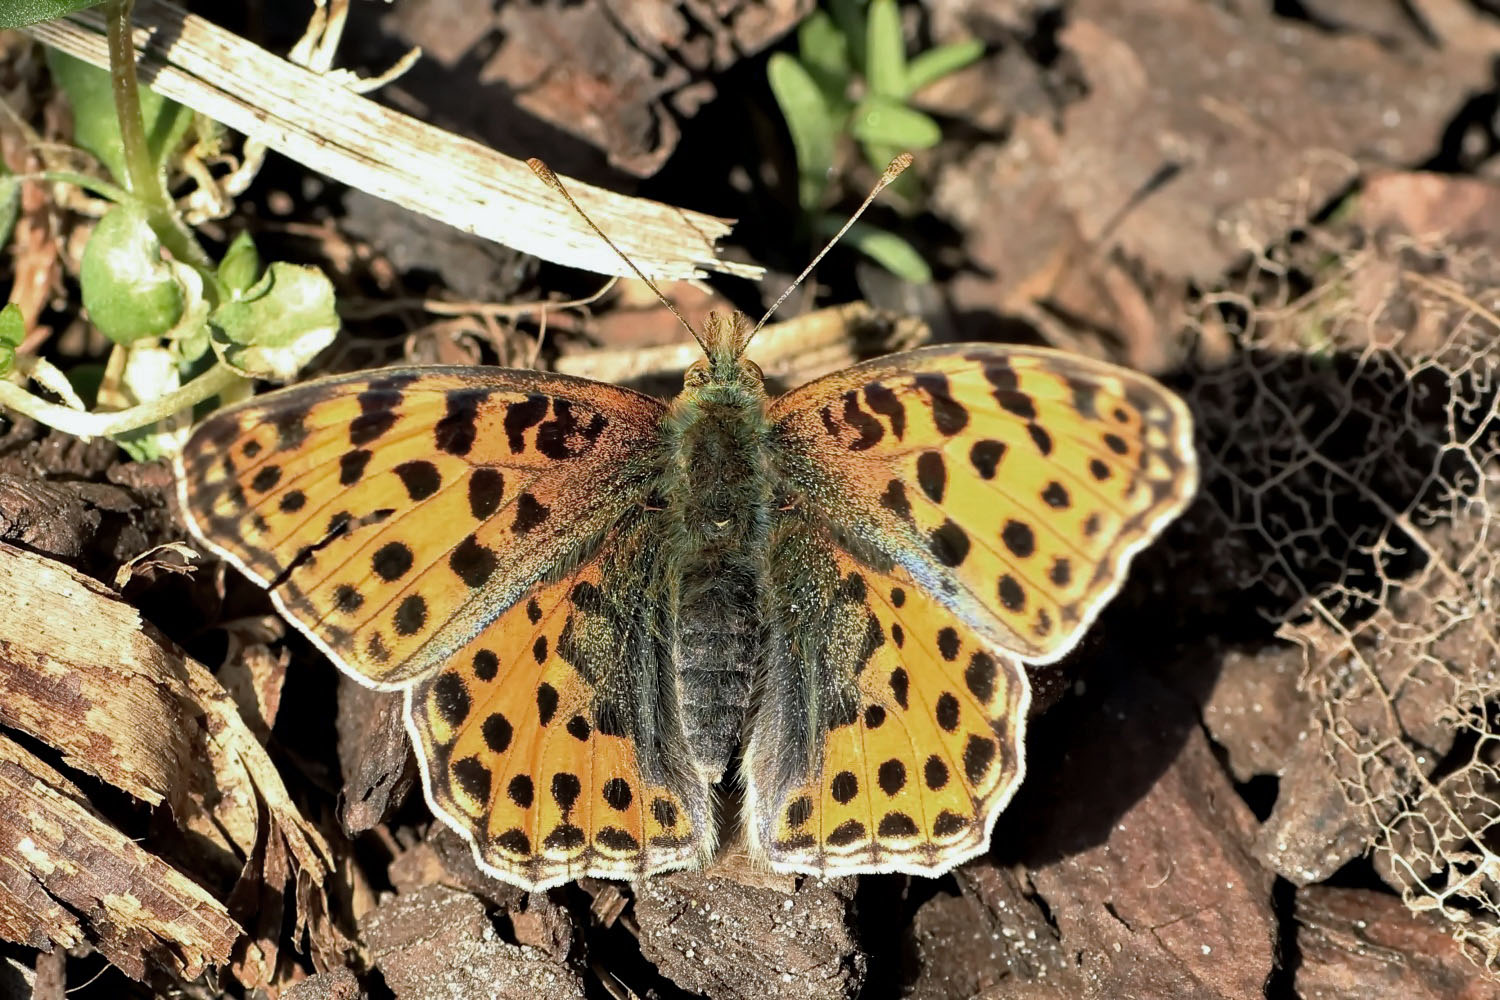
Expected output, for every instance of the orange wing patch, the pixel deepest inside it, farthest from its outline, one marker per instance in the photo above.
(921, 742)
(416, 525)
(1014, 482)
(394, 514)
(524, 757)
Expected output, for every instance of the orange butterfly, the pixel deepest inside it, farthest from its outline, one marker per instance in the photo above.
(599, 605)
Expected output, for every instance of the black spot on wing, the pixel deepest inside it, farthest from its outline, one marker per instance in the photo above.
(266, 479)
(1086, 400)
(565, 436)
(377, 409)
(932, 475)
(420, 478)
(949, 544)
(352, 466)
(529, 513)
(985, 456)
(870, 430)
(1019, 538)
(291, 429)
(472, 562)
(521, 416)
(894, 499)
(486, 487)
(459, 426)
(948, 414)
(883, 401)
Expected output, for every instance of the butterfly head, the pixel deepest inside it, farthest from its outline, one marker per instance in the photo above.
(724, 340)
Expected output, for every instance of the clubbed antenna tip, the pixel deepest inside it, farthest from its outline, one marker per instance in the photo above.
(890, 173)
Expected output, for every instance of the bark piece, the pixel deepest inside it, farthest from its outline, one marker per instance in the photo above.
(438, 942)
(81, 672)
(336, 984)
(736, 942)
(603, 71)
(1314, 830)
(1257, 711)
(1357, 944)
(374, 755)
(68, 877)
(1139, 847)
(994, 935)
(445, 29)
(1185, 158)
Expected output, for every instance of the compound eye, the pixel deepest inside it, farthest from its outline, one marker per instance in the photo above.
(754, 369)
(696, 374)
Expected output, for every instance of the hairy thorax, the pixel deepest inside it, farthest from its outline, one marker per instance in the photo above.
(717, 498)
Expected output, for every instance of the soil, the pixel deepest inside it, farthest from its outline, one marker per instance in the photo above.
(1269, 771)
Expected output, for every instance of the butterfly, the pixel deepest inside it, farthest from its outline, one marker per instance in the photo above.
(602, 609)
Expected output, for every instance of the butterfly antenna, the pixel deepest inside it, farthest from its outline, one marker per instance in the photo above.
(891, 172)
(546, 176)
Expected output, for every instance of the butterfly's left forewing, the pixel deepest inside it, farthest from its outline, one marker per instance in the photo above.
(1001, 492)
(393, 513)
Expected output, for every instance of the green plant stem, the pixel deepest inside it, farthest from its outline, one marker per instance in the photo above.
(94, 185)
(144, 178)
(87, 425)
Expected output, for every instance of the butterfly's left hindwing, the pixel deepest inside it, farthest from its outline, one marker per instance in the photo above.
(553, 740)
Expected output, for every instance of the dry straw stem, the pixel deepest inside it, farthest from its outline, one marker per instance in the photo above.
(329, 128)
(795, 352)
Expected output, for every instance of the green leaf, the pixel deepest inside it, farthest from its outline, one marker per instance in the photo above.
(882, 121)
(150, 372)
(12, 332)
(849, 15)
(278, 325)
(824, 53)
(934, 64)
(885, 51)
(884, 248)
(95, 126)
(129, 291)
(812, 126)
(241, 264)
(19, 13)
(10, 202)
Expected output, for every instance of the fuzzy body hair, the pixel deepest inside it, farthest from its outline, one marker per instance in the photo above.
(717, 490)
